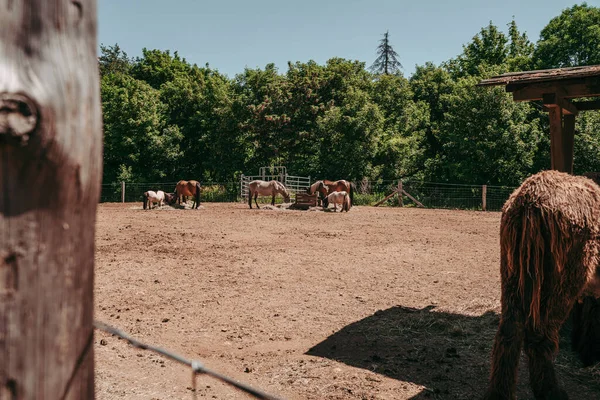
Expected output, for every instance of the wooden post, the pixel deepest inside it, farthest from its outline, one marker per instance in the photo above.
(123, 192)
(400, 201)
(568, 141)
(556, 139)
(484, 197)
(51, 142)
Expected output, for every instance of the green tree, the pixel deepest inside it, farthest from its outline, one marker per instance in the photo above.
(113, 60)
(401, 152)
(520, 49)
(571, 39)
(485, 137)
(139, 145)
(487, 48)
(387, 61)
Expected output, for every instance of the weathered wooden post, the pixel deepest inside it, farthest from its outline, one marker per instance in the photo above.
(400, 201)
(50, 172)
(484, 197)
(123, 192)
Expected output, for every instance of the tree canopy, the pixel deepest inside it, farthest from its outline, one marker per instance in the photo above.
(166, 119)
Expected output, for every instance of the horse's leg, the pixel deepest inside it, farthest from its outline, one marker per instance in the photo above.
(541, 344)
(507, 344)
(255, 197)
(273, 200)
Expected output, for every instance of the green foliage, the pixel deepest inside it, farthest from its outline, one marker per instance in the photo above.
(165, 119)
(571, 39)
(139, 145)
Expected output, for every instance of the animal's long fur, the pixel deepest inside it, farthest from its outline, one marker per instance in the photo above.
(145, 200)
(549, 240)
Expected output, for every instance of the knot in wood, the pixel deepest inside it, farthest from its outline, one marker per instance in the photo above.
(18, 117)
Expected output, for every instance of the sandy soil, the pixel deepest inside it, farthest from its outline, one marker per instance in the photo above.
(377, 303)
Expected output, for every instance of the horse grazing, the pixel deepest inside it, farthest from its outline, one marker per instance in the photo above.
(187, 188)
(264, 188)
(341, 198)
(549, 259)
(320, 187)
(341, 186)
(151, 197)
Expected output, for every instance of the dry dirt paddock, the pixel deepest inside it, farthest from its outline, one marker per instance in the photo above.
(377, 303)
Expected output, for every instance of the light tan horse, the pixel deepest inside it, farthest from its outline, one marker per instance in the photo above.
(187, 188)
(341, 198)
(264, 188)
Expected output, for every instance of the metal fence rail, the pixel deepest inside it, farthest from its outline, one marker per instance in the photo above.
(196, 366)
(430, 194)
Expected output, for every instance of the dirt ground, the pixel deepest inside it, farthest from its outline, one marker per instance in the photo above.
(376, 303)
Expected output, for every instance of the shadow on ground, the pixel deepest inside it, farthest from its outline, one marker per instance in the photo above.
(448, 354)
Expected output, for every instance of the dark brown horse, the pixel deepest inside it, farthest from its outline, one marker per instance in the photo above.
(549, 261)
(341, 186)
(323, 191)
(184, 189)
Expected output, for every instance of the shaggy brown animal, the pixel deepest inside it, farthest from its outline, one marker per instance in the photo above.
(550, 243)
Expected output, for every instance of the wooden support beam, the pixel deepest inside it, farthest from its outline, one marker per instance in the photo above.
(568, 141)
(417, 202)
(389, 196)
(589, 87)
(553, 100)
(557, 149)
(587, 105)
(50, 173)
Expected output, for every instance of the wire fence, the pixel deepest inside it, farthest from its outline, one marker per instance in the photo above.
(434, 195)
(427, 194)
(196, 366)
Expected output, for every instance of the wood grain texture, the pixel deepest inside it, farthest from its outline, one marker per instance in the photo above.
(557, 149)
(50, 171)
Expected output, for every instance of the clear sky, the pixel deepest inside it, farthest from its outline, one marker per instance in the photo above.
(233, 34)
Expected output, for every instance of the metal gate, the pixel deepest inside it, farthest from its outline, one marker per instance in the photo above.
(293, 183)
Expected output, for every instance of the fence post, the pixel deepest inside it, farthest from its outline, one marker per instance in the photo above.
(47, 236)
(123, 192)
(484, 197)
(400, 201)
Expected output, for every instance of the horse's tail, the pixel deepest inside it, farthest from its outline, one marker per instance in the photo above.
(197, 194)
(352, 189)
(249, 196)
(527, 240)
(145, 200)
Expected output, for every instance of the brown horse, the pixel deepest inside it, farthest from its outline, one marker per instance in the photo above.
(341, 186)
(549, 259)
(320, 187)
(186, 188)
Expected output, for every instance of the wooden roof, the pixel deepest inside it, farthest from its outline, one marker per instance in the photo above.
(553, 86)
(543, 75)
